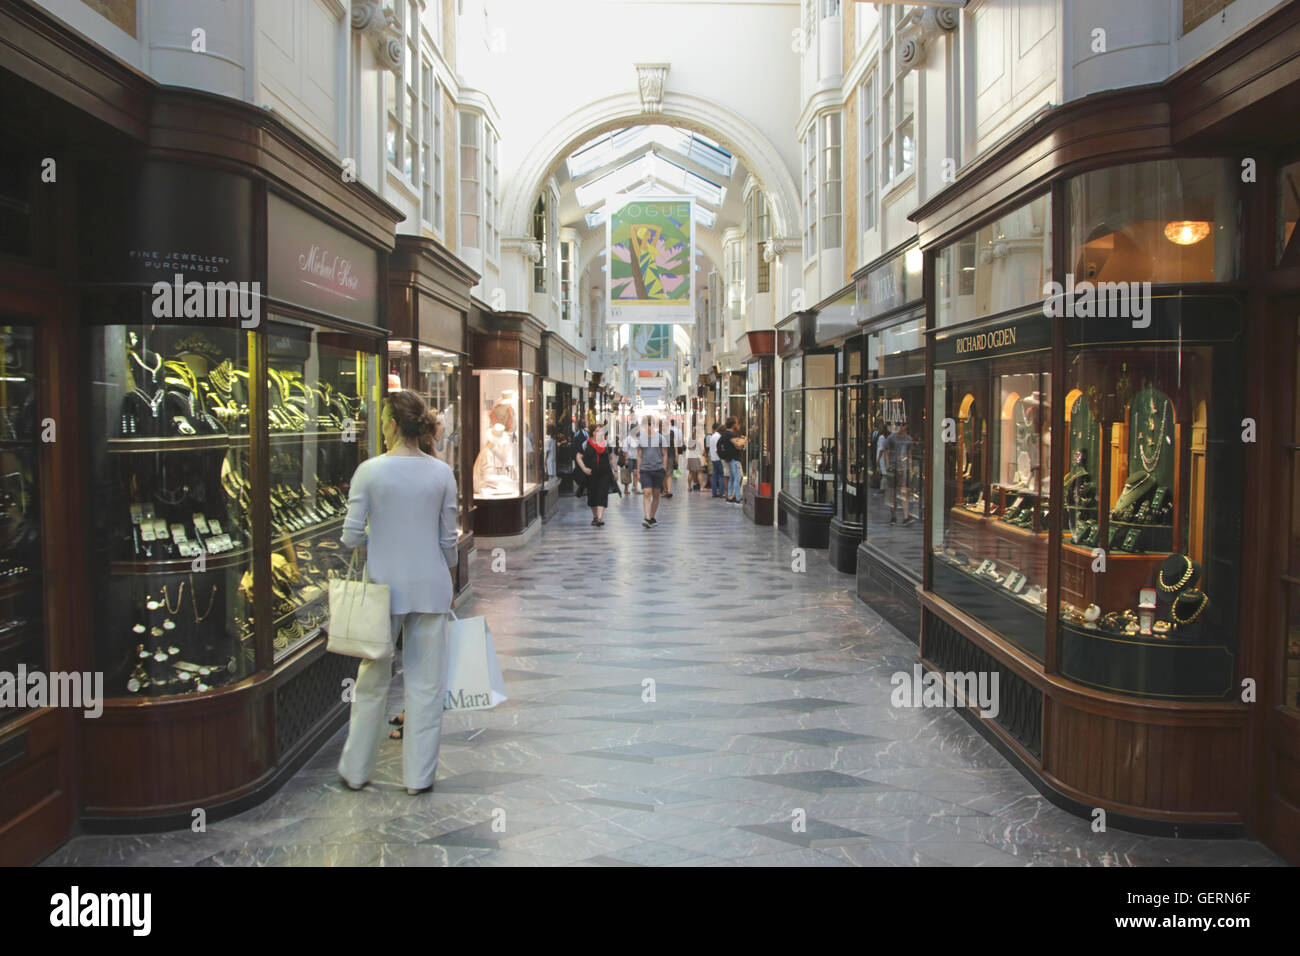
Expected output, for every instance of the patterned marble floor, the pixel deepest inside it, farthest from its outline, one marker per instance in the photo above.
(771, 705)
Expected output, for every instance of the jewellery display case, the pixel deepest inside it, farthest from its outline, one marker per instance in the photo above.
(174, 508)
(990, 510)
(321, 390)
(1154, 422)
(22, 625)
(172, 541)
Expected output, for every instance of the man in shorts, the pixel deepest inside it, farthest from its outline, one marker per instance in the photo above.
(652, 448)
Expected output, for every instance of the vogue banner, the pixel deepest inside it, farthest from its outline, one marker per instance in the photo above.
(651, 261)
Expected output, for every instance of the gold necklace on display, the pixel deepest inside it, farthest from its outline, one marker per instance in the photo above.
(180, 599)
(1173, 610)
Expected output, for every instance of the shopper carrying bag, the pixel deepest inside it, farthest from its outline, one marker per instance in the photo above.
(359, 624)
(474, 680)
(402, 506)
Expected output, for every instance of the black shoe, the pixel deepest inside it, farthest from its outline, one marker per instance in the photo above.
(893, 520)
(654, 520)
(600, 524)
(594, 522)
(645, 523)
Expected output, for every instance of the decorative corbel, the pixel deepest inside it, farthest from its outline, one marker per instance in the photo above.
(650, 79)
(381, 26)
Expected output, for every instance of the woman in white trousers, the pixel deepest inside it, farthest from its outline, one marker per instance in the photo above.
(399, 503)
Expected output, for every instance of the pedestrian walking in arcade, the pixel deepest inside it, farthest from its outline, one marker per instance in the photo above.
(630, 447)
(579, 479)
(652, 447)
(596, 462)
(401, 506)
(729, 445)
(693, 463)
(717, 483)
(670, 459)
(898, 455)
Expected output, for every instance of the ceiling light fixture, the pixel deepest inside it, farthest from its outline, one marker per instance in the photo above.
(1186, 232)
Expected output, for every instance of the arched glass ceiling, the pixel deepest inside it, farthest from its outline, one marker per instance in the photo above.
(650, 166)
(692, 146)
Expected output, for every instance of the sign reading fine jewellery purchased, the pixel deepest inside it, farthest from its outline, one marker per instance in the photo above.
(651, 261)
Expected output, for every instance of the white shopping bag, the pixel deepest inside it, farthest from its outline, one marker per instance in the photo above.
(474, 680)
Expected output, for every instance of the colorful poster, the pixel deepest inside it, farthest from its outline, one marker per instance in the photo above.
(650, 347)
(651, 261)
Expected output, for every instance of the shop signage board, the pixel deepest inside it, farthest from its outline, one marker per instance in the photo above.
(1025, 334)
(152, 221)
(887, 287)
(651, 278)
(317, 267)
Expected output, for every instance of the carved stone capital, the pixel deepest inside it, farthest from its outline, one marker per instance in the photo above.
(773, 249)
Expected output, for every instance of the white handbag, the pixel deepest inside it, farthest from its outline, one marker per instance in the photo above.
(474, 680)
(359, 624)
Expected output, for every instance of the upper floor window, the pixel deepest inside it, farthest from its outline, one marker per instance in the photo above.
(810, 192)
(431, 148)
(492, 199)
(867, 141)
(831, 181)
(566, 282)
(764, 224)
(830, 8)
(402, 99)
(897, 102)
(469, 181)
(541, 224)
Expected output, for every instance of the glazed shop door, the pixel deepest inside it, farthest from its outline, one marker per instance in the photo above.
(1279, 692)
(37, 711)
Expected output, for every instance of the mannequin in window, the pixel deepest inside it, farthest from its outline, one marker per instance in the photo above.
(503, 412)
(492, 468)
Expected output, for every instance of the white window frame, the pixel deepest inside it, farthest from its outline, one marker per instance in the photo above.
(472, 175)
(763, 218)
(491, 192)
(831, 158)
(867, 141)
(567, 311)
(541, 224)
(431, 174)
(894, 165)
(810, 222)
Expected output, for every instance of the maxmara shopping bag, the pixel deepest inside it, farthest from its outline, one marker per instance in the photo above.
(474, 680)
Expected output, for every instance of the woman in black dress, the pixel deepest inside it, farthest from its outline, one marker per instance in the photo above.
(596, 460)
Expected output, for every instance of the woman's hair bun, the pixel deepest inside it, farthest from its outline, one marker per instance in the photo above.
(412, 416)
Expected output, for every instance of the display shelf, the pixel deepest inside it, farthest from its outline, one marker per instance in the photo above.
(188, 443)
(213, 562)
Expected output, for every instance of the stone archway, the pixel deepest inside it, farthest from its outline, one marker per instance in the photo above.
(685, 110)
